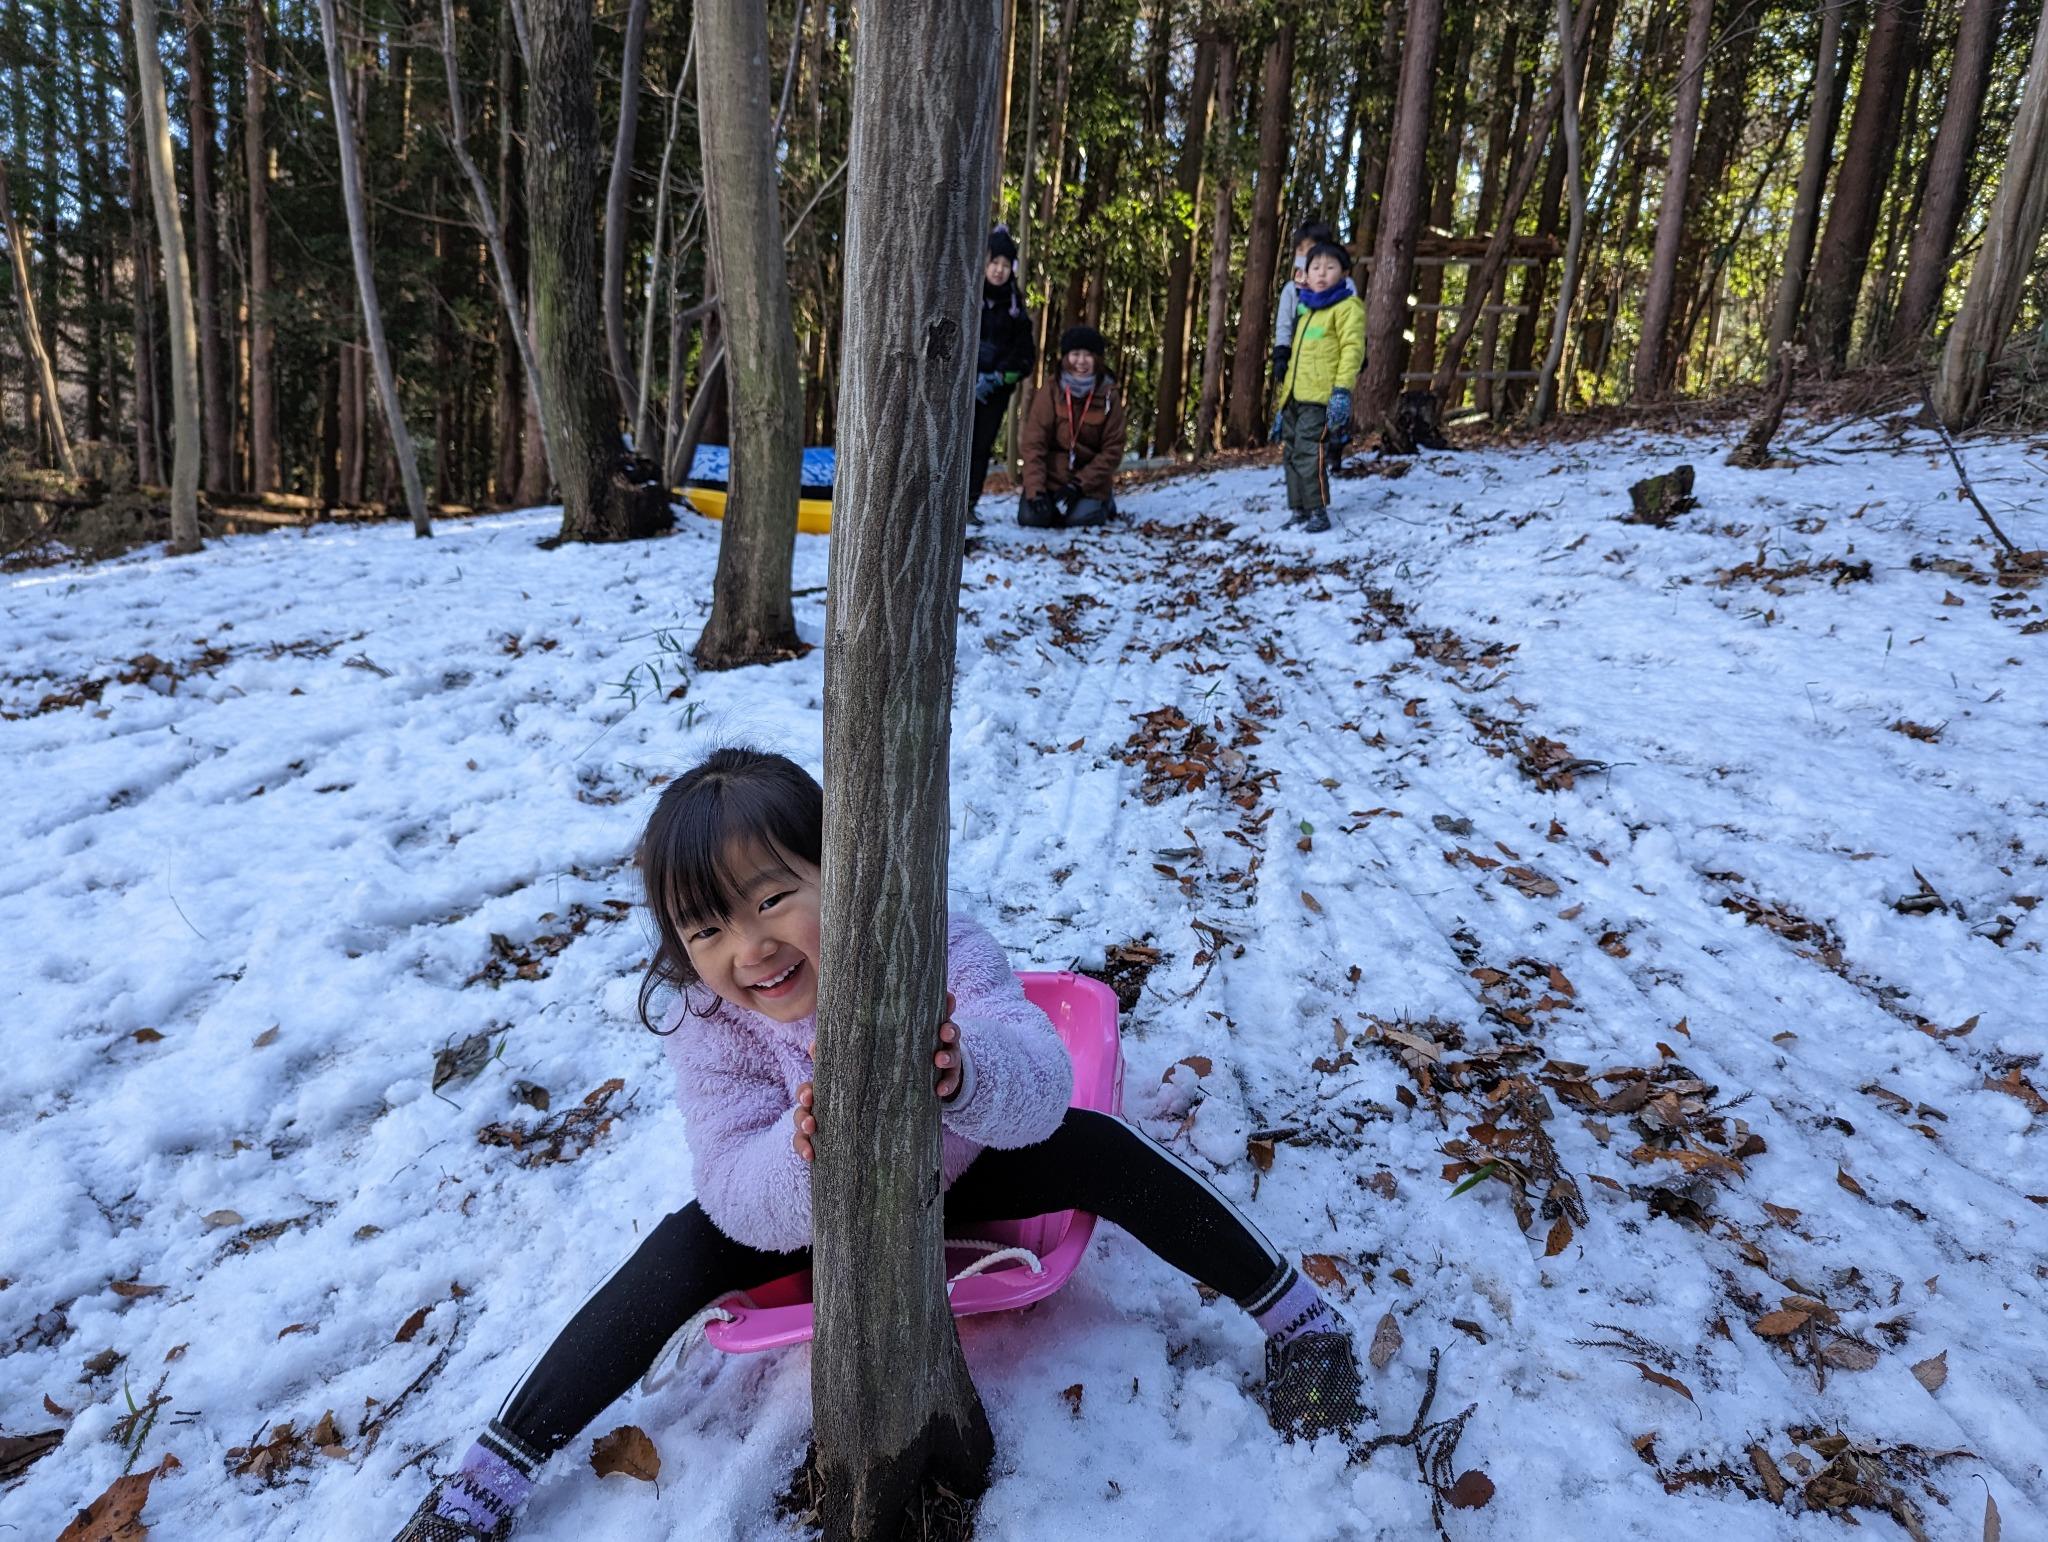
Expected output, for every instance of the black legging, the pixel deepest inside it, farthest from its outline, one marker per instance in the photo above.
(988, 427)
(1092, 1162)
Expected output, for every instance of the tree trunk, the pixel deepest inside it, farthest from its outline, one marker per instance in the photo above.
(184, 382)
(1168, 431)
(1400, 220)
(1656, 319)
(517, 377)
(751, 620)
(1859, 183)
(616, 209)
(34, 350)
(265, 475)
(1948, 175)
(643, 394)
(1575, 189)
(1495, 259)
(1999, 277)
(1372, 148)
(1219, 250)
(561, 178)
(1247, 418)
(142, 259)
(1821, 115)
(486, 218)
(1006, 40)
(366, 277)
(895, 1410)
(1503, 116)
(213, 365)
(1449, 144)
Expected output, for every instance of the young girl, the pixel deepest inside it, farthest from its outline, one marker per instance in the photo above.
(730, 863)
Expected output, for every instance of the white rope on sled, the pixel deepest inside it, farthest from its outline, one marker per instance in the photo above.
(684, 1342)
(994, 1255)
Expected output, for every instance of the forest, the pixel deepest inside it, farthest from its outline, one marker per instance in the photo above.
(1725, 178)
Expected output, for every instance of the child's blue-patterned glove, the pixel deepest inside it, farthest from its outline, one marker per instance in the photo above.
(1338, 414)
(985, 384)
(1274, 432)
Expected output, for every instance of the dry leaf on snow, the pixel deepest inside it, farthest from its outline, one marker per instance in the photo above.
(1071, 1396)
(1386, 1342)
(1560, 1238)
(1472, 1490)
(1322, 1268)
(1991, 1523)
(626, 1450)
(116, 1516)
(1777, 1324)
(1932, 1371)
(1310, 900)
(1842, 1177)
(1665, 1381)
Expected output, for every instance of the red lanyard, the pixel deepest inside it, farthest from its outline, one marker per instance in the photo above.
(1073, 429)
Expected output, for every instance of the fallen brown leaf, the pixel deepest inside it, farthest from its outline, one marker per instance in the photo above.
(1310, 900)
(1386, 1342)
(1662, 1380)
(1842, 1177)
(1560, 1238)
(1932, 1371)
(1777, 1324)
(626, 1450)
(134, 1289)
(1322, 1268)
(116, 1516)
(1472, 1490)
(1071, 1396)
(1767, 1470)
(409, 1329)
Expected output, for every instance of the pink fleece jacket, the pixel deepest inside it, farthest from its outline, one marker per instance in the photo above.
(737, 1073)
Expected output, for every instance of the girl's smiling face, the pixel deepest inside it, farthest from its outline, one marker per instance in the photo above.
(764, 955)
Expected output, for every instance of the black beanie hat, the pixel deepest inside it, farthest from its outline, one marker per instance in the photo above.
(1083, 337)
(1331, 250)
(1001, 243)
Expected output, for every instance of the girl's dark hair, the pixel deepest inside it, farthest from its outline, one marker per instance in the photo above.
(1317, 231)
(733, 798)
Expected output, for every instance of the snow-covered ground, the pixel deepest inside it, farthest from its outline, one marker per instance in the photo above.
(1488, 827)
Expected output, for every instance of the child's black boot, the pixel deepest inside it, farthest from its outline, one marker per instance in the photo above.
(1313, 1386)
(1315, 523)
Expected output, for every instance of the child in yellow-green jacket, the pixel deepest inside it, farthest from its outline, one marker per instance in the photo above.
(1327, 352)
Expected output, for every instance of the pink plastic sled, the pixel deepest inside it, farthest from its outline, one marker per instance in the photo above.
(1084, 1012)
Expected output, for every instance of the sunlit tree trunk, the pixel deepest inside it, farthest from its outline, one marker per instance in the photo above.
(1167, 429)
(263, 457)
(617, 208)
(37, 354)
(214, 368)
(1948, 174)
(1219, 251)
(1657, 300)
(1400, 219)
(1813, 175)
(155, 137)
(1247, 416)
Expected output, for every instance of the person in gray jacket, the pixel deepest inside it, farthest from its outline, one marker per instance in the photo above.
(1307, 237)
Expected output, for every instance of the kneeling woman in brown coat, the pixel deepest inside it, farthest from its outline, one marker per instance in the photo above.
(1073, 439)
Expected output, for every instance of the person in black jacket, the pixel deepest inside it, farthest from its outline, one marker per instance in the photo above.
(1005, 357)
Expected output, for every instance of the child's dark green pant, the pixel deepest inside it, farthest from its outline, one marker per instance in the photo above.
(1302, 426)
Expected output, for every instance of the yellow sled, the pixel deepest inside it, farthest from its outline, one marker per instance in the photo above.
(813, 515)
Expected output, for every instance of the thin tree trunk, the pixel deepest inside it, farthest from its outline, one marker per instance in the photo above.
(751, 620)
(366, 277)
(643, 416)
(155, 136)
(616, 200)
(265, 475)
(1007, 40)
(142, 259)
(1449, 144)
(485, 216)
(895, 1409)
(1663, 282)
(516, 376)
(1859, 183)
(1167, 430)
(1999, 276)
(1575, 191)
(1372, 150)
(1400, 219)
(1219, 249)
(213, 366)
(1247, 417)
(1495, 259)
(1948, 175)
(37, 354)
(1813, 174)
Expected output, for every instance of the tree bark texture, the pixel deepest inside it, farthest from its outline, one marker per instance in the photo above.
(34, 349)
(617, 209)
(366, 275)
(1247, 419)
(1211, 400)
(751, 620)
(894, 1406)
(1813, 174)
(213, 363)
(1400, 219)
(1657, 299)
(561, 181)
(1180, 270)
(184, 382)
(142, 256)
(1859, 182)
(1998, 278)
(264, 470)
(1948, 175)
